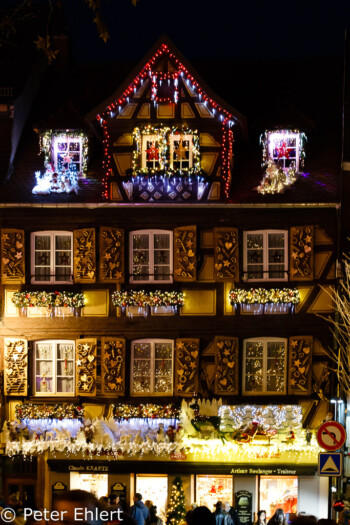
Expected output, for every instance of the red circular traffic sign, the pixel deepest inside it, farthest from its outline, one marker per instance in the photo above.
(331, 435)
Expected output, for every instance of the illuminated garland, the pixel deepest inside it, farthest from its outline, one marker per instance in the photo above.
(48, 299)
(150, 410)
(226, 156)
(142, 298)
(164, 134)
(45, 144)
(180, 73)
(58, 411)
(263, 296)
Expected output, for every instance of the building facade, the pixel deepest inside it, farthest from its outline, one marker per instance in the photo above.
(161, 277)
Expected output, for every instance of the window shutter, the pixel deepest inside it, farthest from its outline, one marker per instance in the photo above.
(86, 363)
(300, 361)
(113, 366)
(16, 367)
(185, 253)
(186, 367)
(111, 255)
(226, 254)
(226, 364)
(84, 255)
(12, 257)
(301, 253)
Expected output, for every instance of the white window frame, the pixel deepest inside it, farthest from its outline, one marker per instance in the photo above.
(151, 234)
(153, 343)
(265, 263)
(54, 342)
(172, 139)
(265, 341)
(69, 139)
(282, 136)
(153, 138)
(52, 235)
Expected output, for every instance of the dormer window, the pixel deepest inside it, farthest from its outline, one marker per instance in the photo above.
(151, 152)
(67, 152)
(284, 148)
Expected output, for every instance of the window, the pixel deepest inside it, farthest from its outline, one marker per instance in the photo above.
(152, 367)
(67, 152)
(54, 367)
(284, 148)
(151, 256)
(151, 152)
(52, 257)
(264, 366)
(265, 255)
(181, 154)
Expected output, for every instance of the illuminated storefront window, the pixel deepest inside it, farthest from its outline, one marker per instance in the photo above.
(154, 488)
(210, 489)
(278, 493)
(95, 483)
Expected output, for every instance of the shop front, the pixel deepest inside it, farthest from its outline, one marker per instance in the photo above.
(293, 488)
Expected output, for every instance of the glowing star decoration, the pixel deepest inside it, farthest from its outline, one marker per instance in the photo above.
(282, 151)
(152, 152)
(181, 151)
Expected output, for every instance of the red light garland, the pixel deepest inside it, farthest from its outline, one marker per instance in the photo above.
(157, 78)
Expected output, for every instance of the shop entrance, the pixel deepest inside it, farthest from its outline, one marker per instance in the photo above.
(23, 490)
(278, 492)
(154, 488)
(95, 483)
(210, 489)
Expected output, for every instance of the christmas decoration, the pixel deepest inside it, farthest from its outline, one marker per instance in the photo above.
(301, 252)
(300, 360)
(48, 138)
(276, 180)
(279, 144)
(48, 299)
(85, 255)
(176, 511)
(159, 140)
(147, 411)
(15, 367)
(264, 296)
(153, 299)
(57, 411)
(172, 81)
(226, 262)
(62, 180)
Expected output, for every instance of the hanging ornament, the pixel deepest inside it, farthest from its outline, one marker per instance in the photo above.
(181, 151)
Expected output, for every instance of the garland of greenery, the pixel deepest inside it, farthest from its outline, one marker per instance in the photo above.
(58, 411)
(148, 411)
(48, 299)
(263, 296)
(164, 134)
(141, 298)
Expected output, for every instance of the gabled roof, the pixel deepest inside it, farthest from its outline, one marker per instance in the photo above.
(162, 43)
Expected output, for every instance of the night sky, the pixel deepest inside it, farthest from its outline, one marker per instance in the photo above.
(213, 28)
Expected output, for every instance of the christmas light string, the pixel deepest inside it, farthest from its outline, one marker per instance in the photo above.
(48, 299)
(263, 296)
(156, 78)
(46, 139)
(142, 298)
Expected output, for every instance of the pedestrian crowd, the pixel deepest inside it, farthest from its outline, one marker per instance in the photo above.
(116, 513)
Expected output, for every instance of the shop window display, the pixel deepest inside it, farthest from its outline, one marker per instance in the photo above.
(95, 483)
(210, 489)
(155, 489)
(278, 492)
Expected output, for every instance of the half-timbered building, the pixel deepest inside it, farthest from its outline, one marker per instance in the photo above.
(162, 276)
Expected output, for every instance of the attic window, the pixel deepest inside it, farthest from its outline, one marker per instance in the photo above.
(284, 148)
(283, 159)
(65, 148)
